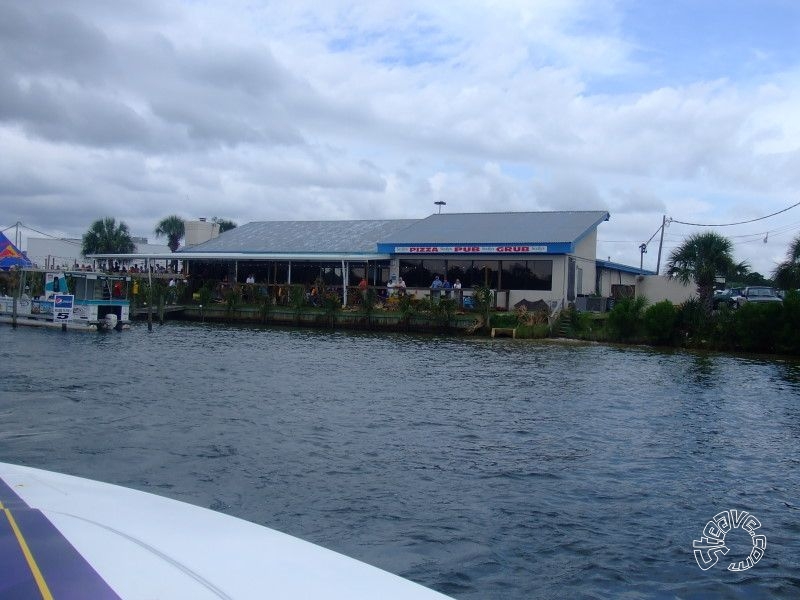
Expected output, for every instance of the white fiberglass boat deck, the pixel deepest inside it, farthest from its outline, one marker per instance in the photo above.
(65, 537)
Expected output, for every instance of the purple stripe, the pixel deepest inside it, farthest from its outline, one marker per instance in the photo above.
(68, 575)
(9, 497)
(16, 579)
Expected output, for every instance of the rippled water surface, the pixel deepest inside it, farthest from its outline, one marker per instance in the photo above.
(483, 469)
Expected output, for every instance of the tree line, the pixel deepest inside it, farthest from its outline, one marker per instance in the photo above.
(702, 259)
(106, 236)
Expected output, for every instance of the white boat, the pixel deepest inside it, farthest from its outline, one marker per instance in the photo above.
(75, 300)
(67, 537)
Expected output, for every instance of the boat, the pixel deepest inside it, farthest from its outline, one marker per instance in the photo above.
(63, 536)
(69, 300)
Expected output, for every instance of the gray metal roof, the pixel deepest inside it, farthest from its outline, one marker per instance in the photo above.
(505, 228)
(301, 237)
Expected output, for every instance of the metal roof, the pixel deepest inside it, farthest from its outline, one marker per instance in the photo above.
(502, 228)
(607, 264)
(303, 237)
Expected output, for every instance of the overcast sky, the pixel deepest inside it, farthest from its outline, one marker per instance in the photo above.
(357, 110)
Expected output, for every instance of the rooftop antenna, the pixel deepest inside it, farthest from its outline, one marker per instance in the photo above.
(440, 204)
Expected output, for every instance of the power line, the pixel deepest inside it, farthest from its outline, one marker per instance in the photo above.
(737, 223)
(55, 237)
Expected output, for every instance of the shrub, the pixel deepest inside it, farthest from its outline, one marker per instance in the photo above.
(504, 320)
(692, 319)
(757, 326)
(233, 299)
(535, 331)
(625, 320)
(789, 335)
(659, 322)
(445, 310)
(483, 298)
(204, 295)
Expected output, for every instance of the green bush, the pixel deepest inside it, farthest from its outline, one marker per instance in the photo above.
(484, 298)
(445, 310)
(789, 335)
(204, 295)
(625, 320)
(659, 322)
(537, 331)
(757, 326)
(692, 320)
(504, 320)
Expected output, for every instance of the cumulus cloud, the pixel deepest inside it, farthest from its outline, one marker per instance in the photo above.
(262, 110)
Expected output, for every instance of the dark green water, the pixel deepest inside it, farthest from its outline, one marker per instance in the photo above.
(481, 468)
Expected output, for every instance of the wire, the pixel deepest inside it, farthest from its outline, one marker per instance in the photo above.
(55, 237)
(671, 220)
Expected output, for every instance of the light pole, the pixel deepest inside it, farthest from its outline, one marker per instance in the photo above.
(440, 204)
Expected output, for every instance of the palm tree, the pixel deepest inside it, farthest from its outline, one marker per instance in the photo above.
(106, 237)
(787, 273)
(224, 224)
(702, 258)
(174, 229)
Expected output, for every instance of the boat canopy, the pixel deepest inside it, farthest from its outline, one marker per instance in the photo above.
(10, 256)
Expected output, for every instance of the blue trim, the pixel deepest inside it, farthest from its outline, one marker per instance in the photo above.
(605, 264)
(552, 248)
(592, 228)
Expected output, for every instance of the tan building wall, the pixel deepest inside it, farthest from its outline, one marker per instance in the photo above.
(657, 288)
(609, 277)
(556, 296)
(199, 232)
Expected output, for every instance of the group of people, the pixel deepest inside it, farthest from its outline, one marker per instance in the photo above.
(396, 287)
(445, 284)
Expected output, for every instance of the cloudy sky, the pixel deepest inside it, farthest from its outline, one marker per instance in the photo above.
(356, 110)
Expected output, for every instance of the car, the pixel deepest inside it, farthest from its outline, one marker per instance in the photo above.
(760, 294)
(729, 298)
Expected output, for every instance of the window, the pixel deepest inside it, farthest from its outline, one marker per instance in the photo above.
(528, 275)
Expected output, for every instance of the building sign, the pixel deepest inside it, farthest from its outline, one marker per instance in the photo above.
(54, 283)
(62, 307)
(510, 249)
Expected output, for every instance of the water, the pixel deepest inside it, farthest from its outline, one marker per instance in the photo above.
(481, 468)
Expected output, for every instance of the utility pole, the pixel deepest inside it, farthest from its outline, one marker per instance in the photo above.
(660, 244)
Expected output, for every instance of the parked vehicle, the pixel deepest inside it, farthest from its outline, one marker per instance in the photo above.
(729, 298)
(759, 293)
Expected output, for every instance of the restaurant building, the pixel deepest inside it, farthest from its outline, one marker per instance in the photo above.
(549, 256)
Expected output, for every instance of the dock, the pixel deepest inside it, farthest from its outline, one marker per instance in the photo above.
(498, 331)
(166, 310)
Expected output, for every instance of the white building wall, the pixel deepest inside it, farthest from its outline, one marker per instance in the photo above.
(556, 296)
(199, 232)
(49, 252)
(609, 277)
(657, 288)
(585, 255)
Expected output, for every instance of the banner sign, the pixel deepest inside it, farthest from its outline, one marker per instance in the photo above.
(471, 249)
(62, 307)
(54, 283)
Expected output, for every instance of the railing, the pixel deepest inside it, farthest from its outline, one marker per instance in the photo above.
(280, 292)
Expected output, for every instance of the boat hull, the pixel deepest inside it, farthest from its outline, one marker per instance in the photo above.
(131, 544)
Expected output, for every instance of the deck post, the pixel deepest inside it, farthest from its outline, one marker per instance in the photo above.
(345, 281)
(150, 297)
